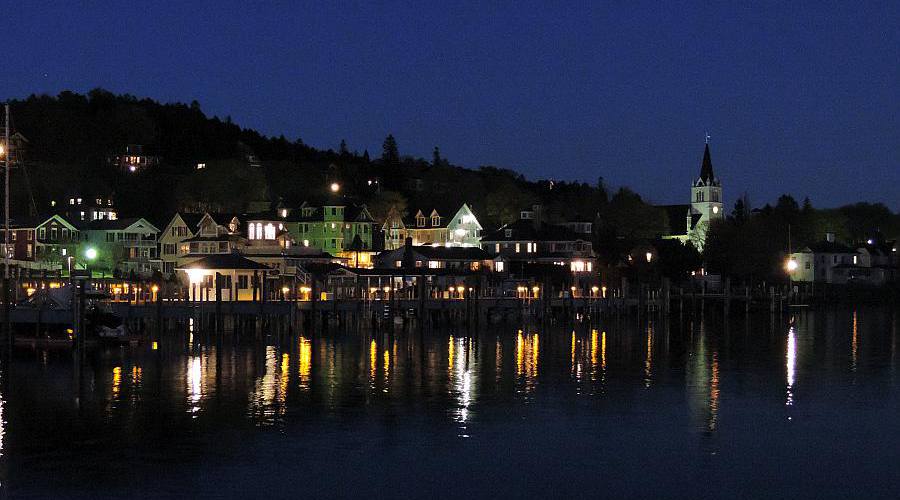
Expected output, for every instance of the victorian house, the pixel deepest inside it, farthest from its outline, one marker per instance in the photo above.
(433, 227)
(121, 245)
(338, 228)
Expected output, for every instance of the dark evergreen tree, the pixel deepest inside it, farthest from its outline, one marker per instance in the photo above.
(342, 149)
(436, 160)
(390, 154)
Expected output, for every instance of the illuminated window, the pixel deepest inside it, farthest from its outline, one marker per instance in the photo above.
(252, 232)
(496, 248)
(270, 231)
(518, 247)
(499, 267)
(433, 264)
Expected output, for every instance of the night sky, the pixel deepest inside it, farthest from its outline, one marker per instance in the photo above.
(797, 98)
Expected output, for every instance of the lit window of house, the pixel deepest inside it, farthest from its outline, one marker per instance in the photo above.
(270, 231)
(496, 248)
(71, 201)
(433, 264)
(251, 232)
(518, 247)
(499, 266)
(577, 266)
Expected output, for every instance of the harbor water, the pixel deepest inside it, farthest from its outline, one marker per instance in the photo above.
(804, 405)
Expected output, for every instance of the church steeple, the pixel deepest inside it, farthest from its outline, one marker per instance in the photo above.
(706, 170)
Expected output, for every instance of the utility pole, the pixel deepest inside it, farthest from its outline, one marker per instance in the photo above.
(6, 294)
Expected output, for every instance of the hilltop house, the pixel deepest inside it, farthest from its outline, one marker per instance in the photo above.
(133, 158)
(76, 207)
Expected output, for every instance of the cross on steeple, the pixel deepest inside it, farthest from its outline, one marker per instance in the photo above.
(707, 137)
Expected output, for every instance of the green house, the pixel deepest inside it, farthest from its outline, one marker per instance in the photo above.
(331, 228)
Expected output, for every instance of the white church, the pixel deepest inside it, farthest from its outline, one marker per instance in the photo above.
(706, 206)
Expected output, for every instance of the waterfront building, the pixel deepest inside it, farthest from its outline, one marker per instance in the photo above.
(440, 257)
(241, 278)
(826, 261)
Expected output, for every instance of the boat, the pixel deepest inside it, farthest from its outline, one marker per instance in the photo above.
(105, 326)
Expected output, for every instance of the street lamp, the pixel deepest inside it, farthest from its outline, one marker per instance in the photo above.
(791, 265)
(335, 187)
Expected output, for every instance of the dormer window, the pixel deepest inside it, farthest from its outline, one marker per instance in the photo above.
(420, 221)
(435, 220)
(508, 233)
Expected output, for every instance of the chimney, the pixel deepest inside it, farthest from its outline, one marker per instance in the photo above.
(409, 260)
(538, 216)
(829, 237)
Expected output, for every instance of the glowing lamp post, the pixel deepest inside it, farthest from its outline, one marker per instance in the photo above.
(791, 265)
(335, 187)
(91, 255)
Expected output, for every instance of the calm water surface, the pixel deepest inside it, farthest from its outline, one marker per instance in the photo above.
(752, 407)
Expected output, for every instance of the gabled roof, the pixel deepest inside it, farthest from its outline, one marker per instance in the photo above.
(828, 247)
(224, 261)
(524, 230)
(352, 213)
(192, 220)
(677, 215)
(452, 253)
(117, 224)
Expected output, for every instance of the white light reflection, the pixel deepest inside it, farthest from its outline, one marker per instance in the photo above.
(791, 362)
(461, 379)
(194, 385)
(268, 396)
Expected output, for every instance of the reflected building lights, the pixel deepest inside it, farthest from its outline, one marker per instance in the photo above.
(116, 382)
(269, 392)
(304, 362)
(194, 384)
(791, 364)
(461, 378)
(527, 359)
(714, 393)
(373, 363)
(648, 362)
(854, 344)
(603, 351)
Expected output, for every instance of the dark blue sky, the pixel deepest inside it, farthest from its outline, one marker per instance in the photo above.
(797, 98)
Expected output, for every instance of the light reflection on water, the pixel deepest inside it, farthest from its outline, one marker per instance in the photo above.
(692, 381)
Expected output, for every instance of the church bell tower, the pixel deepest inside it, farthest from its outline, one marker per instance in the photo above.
(706, 192)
